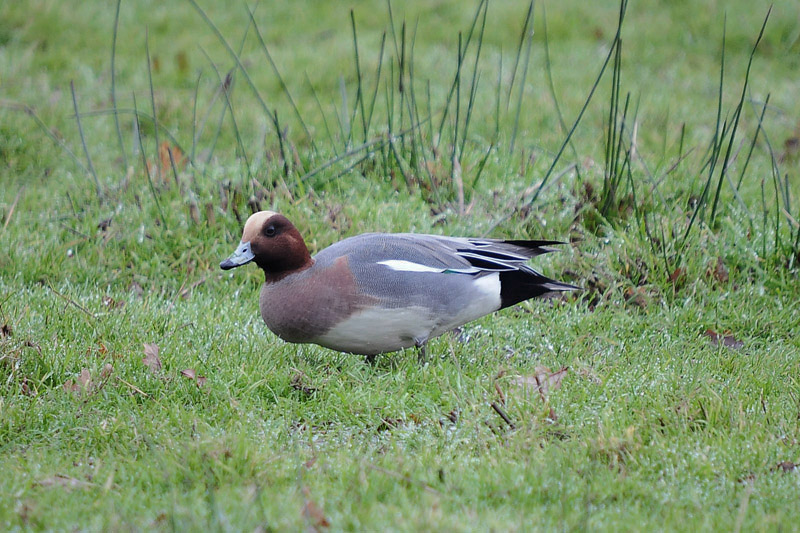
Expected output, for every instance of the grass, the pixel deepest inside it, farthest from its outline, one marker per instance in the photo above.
(677, 189)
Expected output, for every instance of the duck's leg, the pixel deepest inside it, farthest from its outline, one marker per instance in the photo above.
(422, 350)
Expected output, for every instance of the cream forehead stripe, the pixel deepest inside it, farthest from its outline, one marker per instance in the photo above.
(253, 225)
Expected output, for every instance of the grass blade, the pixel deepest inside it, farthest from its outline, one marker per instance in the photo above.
(522, 81)
(551, 86)
(522, 35)
(235, 56)
(281, 82)
(83, 141)
(736, 117)
(47, 131)
(146, 166)
(322, 113)
(449, 99)
(114, 85)
(152, 93)
(227, 89)
(359, 94)
(614, 44)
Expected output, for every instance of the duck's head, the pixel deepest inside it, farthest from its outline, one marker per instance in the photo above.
(271, 241)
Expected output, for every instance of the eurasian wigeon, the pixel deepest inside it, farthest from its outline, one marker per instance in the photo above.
(381, 292)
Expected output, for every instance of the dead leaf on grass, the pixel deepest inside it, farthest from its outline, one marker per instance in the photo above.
(298, 383)
(589, 374)
(636, 296)
(791, 147)
(725, 339)
(785, 466)
(104, 224)
(151, 359)
(60, 480)
(111, 303)
(167, 154)
(718, 271)
(190, 373)
(544, 381)
(314, 513)
(26, 388)
(677, 275)
(136, 289)
(85, 379)
(79, 385)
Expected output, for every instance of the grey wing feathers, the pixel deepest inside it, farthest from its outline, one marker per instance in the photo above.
(452, 254)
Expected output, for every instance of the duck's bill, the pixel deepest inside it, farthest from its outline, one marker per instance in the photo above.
(242, 256)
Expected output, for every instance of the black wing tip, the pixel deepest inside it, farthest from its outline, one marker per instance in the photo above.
(521, 285)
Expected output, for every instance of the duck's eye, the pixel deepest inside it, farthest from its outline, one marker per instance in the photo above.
(269, 231)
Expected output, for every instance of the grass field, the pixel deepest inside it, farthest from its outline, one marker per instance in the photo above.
(140, 389)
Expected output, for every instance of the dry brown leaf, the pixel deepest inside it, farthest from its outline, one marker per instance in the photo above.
(190, 373)
(85, 379)
(727, 340)
(104, 224)
(164, 156)
(82, 384)
(677, 275)
(60, 480)
(111, 303)
(151, 359)
(785, 466)
(791, 147)
(636, 296)
(298, 383)
(26, 388)
(314, 513)
(136, 289)
(5, 330)
(718, 271)
(590, 374)
(544, 381)
(194, 212)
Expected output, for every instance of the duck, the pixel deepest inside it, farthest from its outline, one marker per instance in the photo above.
(382, 292)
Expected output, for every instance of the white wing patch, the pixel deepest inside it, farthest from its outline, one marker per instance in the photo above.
(408, 266)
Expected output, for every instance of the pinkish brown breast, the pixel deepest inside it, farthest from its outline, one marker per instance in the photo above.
(302, 306)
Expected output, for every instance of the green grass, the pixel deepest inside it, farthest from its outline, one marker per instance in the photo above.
(653, 427)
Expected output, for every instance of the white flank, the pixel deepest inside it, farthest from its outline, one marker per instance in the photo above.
(485, 299)
(380, 330)
(407, 266)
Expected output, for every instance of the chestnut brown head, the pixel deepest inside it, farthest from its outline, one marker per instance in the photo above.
(271, 241)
